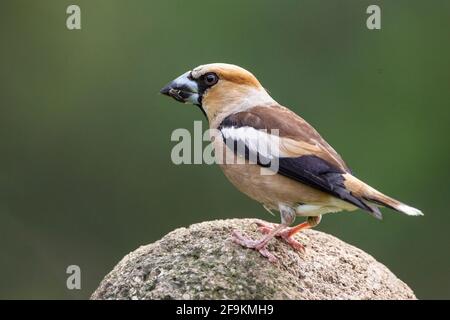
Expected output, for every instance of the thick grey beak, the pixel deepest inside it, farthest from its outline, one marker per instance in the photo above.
(183, 89)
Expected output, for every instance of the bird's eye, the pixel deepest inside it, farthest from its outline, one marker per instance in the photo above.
(211, 79)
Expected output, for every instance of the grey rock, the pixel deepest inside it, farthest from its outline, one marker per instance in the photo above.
(201, 262)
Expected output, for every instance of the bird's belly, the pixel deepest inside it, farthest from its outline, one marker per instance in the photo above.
(271, 190)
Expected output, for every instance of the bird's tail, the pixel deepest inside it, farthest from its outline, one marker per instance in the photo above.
(367, 193)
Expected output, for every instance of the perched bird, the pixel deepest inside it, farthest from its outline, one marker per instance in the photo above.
(310, 179)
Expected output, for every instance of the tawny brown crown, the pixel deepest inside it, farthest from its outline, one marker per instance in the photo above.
(228, 72)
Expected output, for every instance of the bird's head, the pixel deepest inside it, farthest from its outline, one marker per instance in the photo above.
(218, 89)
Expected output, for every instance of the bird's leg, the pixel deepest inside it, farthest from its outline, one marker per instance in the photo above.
(287, 217)
(288, 233)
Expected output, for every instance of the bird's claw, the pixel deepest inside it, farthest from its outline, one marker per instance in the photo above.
(238, 238)
(266, 253)
(266, 228)
(260, 246)
(293, 243)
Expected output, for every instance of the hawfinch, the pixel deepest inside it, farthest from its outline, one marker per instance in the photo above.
(255, 132)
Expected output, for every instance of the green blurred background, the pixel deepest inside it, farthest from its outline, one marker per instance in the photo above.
(85, 169)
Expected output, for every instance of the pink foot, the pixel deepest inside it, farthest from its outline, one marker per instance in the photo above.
(258, 245)
(285, 235)
(266, 228)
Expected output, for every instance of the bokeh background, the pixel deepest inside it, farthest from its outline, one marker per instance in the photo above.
(85, 169)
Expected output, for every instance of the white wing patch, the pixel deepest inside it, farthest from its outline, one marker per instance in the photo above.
(262, 142)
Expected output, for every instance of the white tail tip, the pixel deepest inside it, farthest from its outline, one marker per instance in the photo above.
(409, 210)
